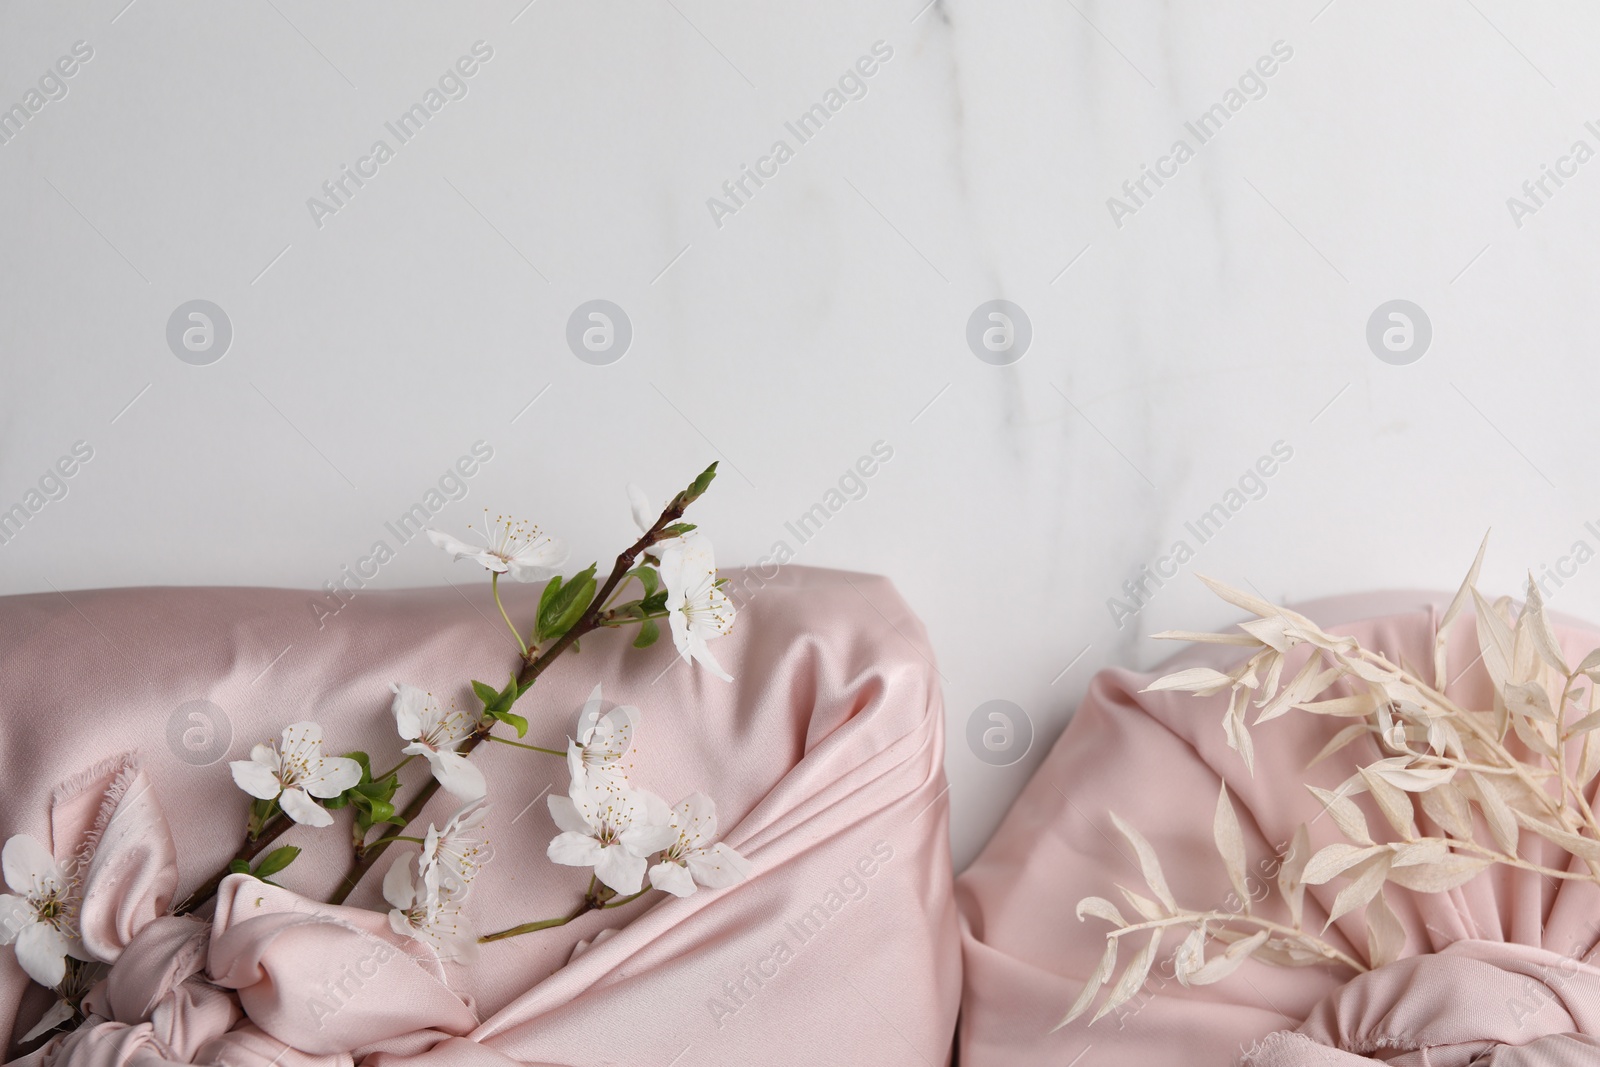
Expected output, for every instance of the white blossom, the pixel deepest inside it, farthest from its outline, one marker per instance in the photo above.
(697, 609)
(435, 733)
(600, 751)
(39, 919)
(693, 858)
(295, 771)
(514, 548)
(612, 830)
(452, 855)
(430, 915)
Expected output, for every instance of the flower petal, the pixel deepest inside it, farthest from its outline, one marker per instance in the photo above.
(567, 816)
(29, 868)
(673, 878)
(42, 952)
(303, 810)
(696, 816)
(699, 651)
(644, 512)
(15, 913)
(259, 781)
(398, 888)
(644, 839)
(457, 548)
(458, 775)
(410, 707)
(718, 867)
(59, 1013)
(333, 776)
(538, 560)
(574, 850)
(589, 716)
(620, 869)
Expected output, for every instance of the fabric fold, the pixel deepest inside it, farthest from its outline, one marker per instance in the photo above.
(824, 757)
(1482, 972)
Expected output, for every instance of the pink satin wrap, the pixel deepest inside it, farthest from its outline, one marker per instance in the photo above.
(1515, 968)
(824, 758)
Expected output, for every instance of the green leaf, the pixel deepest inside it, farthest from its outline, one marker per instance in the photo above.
(677, 529)
(561, 611)
(366, 764)
(343, 799)
(513, 720)
(276, 860)
(649, 577)
(654, 603)
(648, 632)
(487, 693)
(551, 590)
(239, 866)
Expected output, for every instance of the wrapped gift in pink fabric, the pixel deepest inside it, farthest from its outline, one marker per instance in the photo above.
(122, 708)
(1501, 971)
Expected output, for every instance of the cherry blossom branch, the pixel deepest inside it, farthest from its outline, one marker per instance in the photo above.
(591, 902)
(531, 670)
(519, 744)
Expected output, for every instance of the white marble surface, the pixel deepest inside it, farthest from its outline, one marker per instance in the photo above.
(1226, 313)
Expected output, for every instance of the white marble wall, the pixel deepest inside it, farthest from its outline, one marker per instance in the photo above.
(1176, 340)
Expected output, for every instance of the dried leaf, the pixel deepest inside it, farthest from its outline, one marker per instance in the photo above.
(1190, 956)
(1412, 779)
(1584, 725)
(1351, 707)
(1529, 699)
(1274, 676)
(1224, 964)
(1230, 846)
(1147, 908)
(1362, 889)
(1149, 865)
(1338, 742)
(1393, 802)
(1091, 986)
(1447, 807)
(1270, 631)
(1585, 848)
(1100, 908)
(1544, 638)
(1291, 873)
(1333, 860)
(1502, 824)
(1590, 664)
(1308, 683)
(1440, 640)
(1239, 599)
(1447, 874)
(1532, 734)
(1352, 823)
(1133, 977)
(1386, 938)
(1418, 853)
(1282, 952)
(1494, 639)
(1237, 733)
(1202, 680)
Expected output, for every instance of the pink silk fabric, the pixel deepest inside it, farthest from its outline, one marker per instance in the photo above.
(824, 757)
(1512, 970)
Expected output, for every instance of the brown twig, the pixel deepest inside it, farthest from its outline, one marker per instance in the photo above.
(531, 669)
